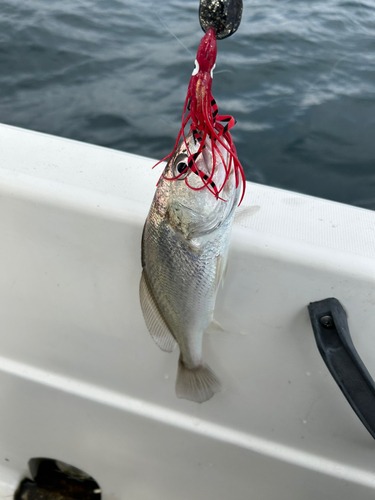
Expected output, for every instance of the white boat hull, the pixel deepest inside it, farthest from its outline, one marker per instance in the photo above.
(82, 381)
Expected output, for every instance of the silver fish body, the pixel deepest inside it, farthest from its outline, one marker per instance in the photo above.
(184, 255)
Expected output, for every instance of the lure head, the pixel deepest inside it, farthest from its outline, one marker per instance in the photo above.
(207, 50)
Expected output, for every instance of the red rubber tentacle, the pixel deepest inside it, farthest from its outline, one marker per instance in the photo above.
(208, 107)
(230, 150)
(238, 167)
(233, 154)
(202, 187)
(184, 120)
(237, 164)
(190, 114)
(213, 131)
(227, 171)
(158, 163)
(177, 141)
(206, 183)
(175, 178)
(227, 168)
(243, 185)
(203, 142)
(216, 137)
(230, 123)
(213, 152)
(213, 157)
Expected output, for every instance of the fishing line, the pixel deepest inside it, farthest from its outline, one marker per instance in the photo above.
(171, 32)
(321, 78)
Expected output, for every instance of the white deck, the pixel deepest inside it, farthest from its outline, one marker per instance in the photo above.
(82, 381)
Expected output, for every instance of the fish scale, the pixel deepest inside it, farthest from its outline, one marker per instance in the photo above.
(183, 281)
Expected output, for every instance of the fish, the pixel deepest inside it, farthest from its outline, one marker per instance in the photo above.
(185, 246)
(187, 231)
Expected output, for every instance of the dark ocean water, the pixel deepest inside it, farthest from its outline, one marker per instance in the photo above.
(299, 77)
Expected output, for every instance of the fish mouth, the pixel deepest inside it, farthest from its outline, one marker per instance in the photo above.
(193, 224)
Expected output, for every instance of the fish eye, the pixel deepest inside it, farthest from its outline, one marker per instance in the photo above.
(180, 165)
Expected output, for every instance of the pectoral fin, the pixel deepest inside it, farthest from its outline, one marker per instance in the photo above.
(214, 327)
(243, 214)
(154, 321)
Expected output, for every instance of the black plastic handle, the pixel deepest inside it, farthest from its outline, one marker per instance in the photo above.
(222, 15)
(329, 322)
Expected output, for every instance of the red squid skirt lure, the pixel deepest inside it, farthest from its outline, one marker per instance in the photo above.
(201, 113)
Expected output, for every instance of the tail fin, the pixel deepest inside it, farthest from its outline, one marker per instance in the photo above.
(197, 385)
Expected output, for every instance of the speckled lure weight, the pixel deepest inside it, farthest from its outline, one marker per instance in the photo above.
(224, 16)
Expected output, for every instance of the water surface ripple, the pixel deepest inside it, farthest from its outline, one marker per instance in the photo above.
(299, 76)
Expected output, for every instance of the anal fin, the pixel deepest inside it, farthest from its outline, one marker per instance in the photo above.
(154, 321)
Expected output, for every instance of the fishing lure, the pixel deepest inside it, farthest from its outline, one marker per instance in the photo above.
(201, 113)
